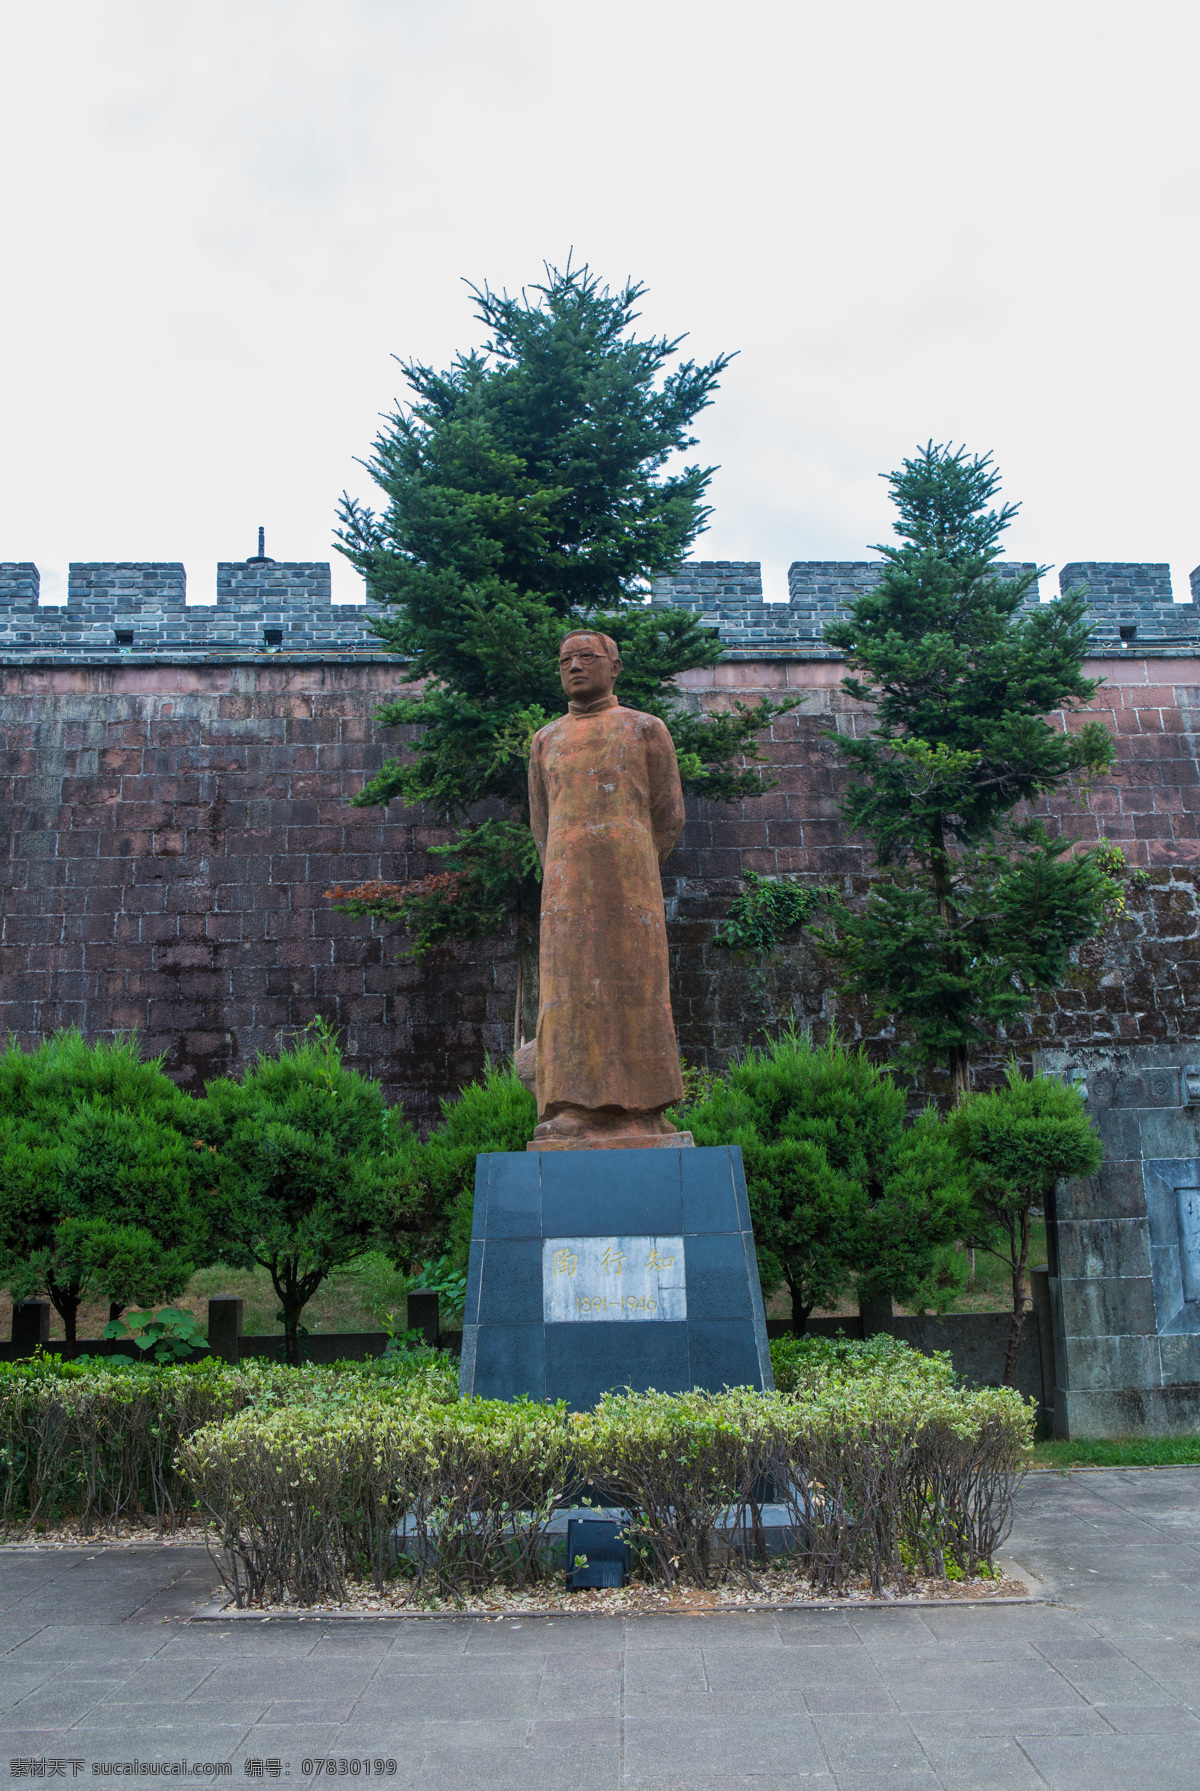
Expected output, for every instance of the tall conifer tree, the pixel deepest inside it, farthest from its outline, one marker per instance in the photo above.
(532, 486)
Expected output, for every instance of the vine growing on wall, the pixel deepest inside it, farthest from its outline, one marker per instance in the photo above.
(768, 908)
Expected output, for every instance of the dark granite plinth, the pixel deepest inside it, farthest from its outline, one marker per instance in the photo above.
(696, 1197)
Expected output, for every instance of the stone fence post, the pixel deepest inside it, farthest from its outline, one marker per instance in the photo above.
(30, 1326)
(423, 1315)
(225, 1328)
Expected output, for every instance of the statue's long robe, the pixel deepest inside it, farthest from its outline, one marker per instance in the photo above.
(605, 807)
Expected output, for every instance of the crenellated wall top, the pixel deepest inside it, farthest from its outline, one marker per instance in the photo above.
(1132, 604)
(136, 608)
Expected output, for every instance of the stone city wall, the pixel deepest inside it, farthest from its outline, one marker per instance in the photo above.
(175, 809)
(1132, 605)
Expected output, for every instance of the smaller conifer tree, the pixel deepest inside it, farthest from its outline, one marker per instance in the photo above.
(978, 906)
(433, 1188)
(841, 1192)
(308, 1147)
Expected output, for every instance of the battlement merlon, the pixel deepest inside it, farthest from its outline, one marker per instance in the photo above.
(1131, 604)
(285, 605)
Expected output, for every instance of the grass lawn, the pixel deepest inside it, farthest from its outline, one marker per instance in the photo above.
(990, 1290)
(1119, 1452)
(355, 1299)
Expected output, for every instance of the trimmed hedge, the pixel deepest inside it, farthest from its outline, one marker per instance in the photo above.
(306, 1502)
(318, 1477)
(895, 1465)
(800, 1363)
(686, 1467)
(98, 1443)
(885, 1469)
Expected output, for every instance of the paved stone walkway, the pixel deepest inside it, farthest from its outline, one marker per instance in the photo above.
(99, 1664)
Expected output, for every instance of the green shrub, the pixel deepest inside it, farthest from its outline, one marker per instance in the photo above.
(170, 1335)
(801, 1363)
(880, 1471)
(313, 1154)
(1018, 1142)
(97, 1443)
(103, 1192)
(889, 1463)
(972, 1453)
(884, 1463)
(295, 1491)
(885, 1467)
(492, 1475)
(306, 1501)
(433, 1373)
(676, 1463)
(841, 1189)
(435, 1200)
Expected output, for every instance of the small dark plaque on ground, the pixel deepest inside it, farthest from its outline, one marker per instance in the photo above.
(597, 1554)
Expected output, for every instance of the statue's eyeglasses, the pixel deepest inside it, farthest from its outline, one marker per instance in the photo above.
(583, 658)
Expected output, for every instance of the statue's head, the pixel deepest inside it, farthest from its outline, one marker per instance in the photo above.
(588, 665)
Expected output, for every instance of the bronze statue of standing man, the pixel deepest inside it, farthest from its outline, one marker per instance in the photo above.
(606, 807)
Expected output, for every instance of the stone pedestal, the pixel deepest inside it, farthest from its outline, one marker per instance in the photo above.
(593, 1270)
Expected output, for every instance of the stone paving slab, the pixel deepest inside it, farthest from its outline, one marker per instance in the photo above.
(1096, 1690)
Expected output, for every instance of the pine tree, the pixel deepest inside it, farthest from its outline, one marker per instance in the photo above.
(104, 1189)
(841, 1191)
(1017, 1142)
(528, 490)
(979, 906)
(311, 1150)
(433, 1198)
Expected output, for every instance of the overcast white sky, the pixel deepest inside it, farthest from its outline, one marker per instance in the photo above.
(936, 218)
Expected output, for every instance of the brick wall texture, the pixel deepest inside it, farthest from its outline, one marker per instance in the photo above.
(1139, 980)
(171, 828)
(170, 832)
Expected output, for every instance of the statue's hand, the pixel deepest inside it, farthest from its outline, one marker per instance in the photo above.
(525, 1064)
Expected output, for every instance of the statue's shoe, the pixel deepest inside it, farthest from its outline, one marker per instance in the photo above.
(525, 1064)
(572, 1123)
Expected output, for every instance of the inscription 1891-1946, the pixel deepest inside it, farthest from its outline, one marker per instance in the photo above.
(613, 1279)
